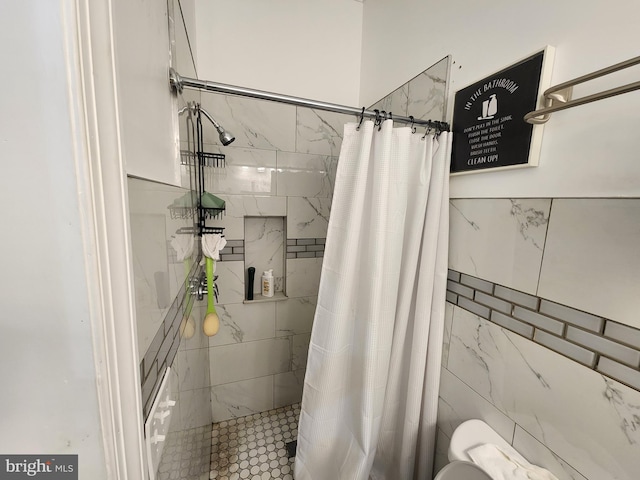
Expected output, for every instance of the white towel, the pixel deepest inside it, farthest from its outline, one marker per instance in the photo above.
(183, 245)
(503, 463)
(212, 243)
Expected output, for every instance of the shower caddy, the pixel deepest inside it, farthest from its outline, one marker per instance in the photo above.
(199, 159)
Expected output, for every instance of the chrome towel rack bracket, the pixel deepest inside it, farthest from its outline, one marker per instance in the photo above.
(559, 97)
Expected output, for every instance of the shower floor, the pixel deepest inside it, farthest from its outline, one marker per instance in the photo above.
(254, 447)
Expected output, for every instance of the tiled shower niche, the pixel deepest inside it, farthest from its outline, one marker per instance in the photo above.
(264, 249)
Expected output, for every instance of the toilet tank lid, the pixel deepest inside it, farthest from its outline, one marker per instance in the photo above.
(470, 434)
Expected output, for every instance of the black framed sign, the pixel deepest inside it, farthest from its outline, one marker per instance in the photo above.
(489, 131)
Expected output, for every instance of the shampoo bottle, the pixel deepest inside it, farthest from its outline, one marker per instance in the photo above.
(267, 283)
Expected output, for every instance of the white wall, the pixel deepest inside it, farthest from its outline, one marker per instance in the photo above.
(302, 48)
(586, 151)
(185, 17)
(147, 106)
(49, 402)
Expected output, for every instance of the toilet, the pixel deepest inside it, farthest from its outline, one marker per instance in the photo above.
(468, 435)
(459, 470)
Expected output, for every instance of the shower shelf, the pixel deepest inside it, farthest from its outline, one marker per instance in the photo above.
(211, 213)
(203, 230)
(215, 230)
(182, 213)
(184, 207)
(212, 160)
(207, 159)
(277, 297)
(187, 157)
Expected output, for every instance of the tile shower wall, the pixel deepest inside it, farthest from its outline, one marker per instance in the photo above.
(282, 164)
(167, 337)
(424, 96)
(277, 185)
(161, 300)
(541, 335)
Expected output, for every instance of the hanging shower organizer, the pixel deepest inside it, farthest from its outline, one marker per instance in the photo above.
(202, 204)
(209, 206)
(198, 204)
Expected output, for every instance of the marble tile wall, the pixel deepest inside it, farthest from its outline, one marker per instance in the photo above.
(165, 313)
(606, 346)
(233, 250)
(188, 443)
(548, 356)
(424, 96)
(158, 277)
(277, 186)
(599, 246)
(169, 324)
(305, 247)
(283, 164)
(192, 364)
(500, 240)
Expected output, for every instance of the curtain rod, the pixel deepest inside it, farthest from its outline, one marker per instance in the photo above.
(179, 82)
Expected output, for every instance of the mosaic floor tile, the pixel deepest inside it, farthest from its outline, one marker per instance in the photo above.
(185, 453)
(254, 447)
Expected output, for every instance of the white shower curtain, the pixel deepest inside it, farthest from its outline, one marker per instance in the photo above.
(370, 391)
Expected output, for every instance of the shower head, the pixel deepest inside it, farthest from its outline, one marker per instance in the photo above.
(225, 137)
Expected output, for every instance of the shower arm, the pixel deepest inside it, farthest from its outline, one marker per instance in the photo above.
(215, 124)
(225, 136)
(196, 107)
(179, 82)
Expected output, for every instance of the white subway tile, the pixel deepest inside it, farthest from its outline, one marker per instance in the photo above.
(621, 372)
(576, 317)
(568, 349)
(611, 349)
(538, 320)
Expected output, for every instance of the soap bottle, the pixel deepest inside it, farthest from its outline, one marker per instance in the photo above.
(267, 283)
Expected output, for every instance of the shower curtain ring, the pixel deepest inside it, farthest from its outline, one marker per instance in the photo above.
(381, 120)
(377, 120)
(361, 119)
(427, 131)
(413, 124)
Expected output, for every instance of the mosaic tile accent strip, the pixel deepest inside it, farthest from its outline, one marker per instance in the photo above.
(305, 247)
(254, 447)
(164, 346)
(601, 344)
(233, 251)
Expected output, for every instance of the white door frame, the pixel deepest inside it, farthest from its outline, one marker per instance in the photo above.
(102, 193)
